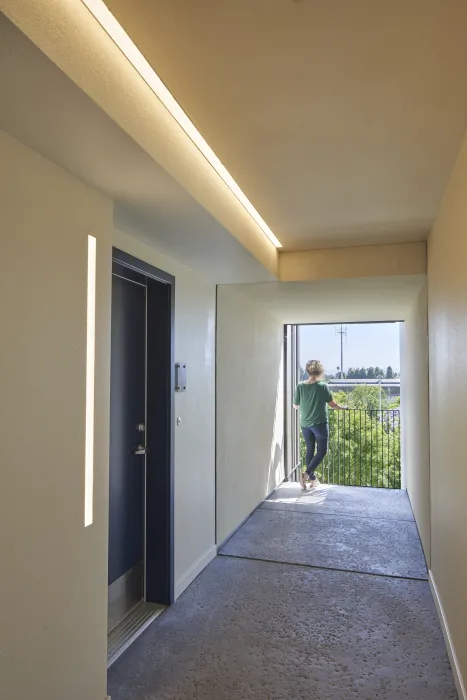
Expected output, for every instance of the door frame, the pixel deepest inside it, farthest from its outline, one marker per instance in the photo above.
(291, 354)
(159, 583)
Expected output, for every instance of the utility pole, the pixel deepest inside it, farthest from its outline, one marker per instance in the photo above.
(342, 331)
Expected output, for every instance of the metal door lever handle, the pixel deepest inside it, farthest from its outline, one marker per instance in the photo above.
(140, 450)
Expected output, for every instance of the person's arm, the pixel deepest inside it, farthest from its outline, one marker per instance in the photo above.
(296, 399)
(333, 404)
(336, 406)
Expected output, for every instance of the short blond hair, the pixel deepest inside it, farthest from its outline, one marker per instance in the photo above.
(314, 368)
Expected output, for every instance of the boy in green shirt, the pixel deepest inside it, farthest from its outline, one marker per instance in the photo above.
(313, 397)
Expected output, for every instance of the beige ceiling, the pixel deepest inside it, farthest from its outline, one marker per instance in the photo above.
(339, 119)
(43, 108)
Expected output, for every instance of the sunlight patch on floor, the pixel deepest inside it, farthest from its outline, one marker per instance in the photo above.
(297, 495)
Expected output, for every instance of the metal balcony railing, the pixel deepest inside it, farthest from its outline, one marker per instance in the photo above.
(364, 449)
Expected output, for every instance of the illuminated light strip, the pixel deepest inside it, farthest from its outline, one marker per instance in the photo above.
(116, 32)
(90, 362)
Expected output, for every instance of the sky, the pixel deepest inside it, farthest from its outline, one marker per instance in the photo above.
(365, 345)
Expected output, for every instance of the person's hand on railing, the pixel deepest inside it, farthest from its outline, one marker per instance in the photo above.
(337, 406)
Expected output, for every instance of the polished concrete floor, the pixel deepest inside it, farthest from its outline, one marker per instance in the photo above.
(320, 596)
(347, 528)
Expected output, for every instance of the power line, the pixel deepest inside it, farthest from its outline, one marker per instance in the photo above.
(342, 332)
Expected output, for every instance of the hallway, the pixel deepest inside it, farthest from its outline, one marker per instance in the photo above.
(320, 595)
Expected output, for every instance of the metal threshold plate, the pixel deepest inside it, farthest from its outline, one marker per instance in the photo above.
(130, 628)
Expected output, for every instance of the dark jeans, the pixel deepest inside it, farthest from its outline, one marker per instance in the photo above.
(316, 436)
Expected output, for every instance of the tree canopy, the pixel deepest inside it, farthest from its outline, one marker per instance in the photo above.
(360, 373)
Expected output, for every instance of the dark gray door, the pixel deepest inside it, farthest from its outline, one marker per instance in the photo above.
(127, 443)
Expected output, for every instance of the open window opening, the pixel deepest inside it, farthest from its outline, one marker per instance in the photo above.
(362, 370)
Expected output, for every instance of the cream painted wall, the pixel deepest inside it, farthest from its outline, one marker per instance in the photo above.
(249, 406)
(447, 306)
(358, 262)
(195, 309)
(415, 414)
(53, 602)
(53, 608)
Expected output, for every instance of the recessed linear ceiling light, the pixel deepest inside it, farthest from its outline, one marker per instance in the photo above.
(116, 32)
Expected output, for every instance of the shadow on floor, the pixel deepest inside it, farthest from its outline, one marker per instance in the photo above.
(251, 629)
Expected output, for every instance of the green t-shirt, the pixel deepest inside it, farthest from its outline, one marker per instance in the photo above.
(313, 400)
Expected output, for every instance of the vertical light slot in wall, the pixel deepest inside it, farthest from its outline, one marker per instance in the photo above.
(90, 360)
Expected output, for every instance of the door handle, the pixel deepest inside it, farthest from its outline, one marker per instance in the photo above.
(140, 450)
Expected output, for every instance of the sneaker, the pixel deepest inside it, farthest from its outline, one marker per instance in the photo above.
(303, 480)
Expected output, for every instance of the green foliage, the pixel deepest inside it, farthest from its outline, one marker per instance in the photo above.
(370, 398)
(367, 373)
(363, 397)
(364, 443)
(394, 402)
